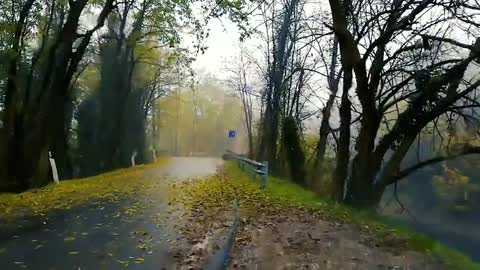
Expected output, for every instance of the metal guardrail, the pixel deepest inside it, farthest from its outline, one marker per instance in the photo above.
(222, 258)
(252, 167)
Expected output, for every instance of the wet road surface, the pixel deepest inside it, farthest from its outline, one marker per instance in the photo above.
(132, 233)
(183, 168)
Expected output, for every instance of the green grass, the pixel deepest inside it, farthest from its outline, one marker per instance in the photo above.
(293, 194)
(69, 193)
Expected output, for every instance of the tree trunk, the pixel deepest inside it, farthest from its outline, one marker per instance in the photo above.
(32, 127)
(118, 64)
(343, 148)
(250, 145)
(87, 117)
(60, 147)
(12, 109)
(134, 132)
(293, 150)
(270, 123)
(360, 192)
(323, 136)
(333, 82)
(114, 92)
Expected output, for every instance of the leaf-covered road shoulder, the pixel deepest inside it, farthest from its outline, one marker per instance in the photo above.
(109, 187)
(286, 225)
(131, 222)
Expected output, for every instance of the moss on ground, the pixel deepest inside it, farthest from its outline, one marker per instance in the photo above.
(284, 197)
(106, 187)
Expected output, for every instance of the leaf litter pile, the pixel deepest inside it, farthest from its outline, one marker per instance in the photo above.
(279, 232)
(108, 187)
(116, 220)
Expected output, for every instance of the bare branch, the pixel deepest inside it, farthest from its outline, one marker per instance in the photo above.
(464, 151)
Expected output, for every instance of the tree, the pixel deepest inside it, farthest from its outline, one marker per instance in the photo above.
(211, 109)
(44, 44)
(34, 111)
(239, 79)
(288, 84)
(275, 87)
(385, 77)
(333, 80)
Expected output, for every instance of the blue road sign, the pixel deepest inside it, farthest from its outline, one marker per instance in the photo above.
(232, 134)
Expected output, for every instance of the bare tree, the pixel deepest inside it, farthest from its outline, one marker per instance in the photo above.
(380, 42)
(243, 86)
(333, 76)
(267, 149)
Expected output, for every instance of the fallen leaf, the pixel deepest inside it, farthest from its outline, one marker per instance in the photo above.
(124, 263)
(69, 238)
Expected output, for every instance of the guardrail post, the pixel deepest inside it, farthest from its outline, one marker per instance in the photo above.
(264, 175)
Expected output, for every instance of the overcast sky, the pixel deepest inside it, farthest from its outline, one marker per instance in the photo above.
(223, 44)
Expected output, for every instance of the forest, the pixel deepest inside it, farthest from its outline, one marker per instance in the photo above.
(355, 104)
(346, 99)
(81, 81)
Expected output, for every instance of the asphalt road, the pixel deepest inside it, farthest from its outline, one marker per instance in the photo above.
(133, 233)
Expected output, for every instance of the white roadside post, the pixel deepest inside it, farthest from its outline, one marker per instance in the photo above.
(134, 155)
(54, 168)
(154, 153)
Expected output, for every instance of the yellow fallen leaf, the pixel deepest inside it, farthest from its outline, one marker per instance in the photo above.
(139, 260)
(69, 238)
(124, 263)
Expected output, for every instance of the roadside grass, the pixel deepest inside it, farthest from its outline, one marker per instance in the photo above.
(288, 193)
(105, 187)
